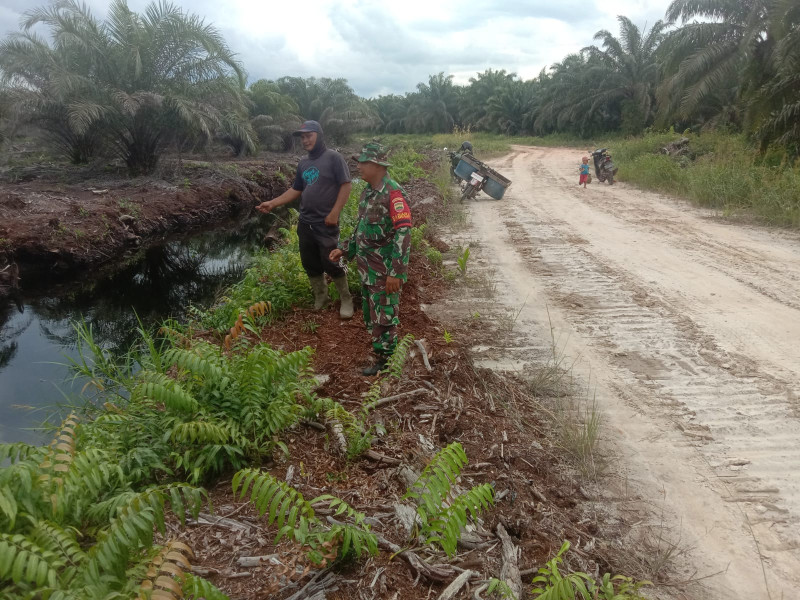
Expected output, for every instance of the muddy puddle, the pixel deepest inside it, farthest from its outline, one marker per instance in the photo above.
(160, 282)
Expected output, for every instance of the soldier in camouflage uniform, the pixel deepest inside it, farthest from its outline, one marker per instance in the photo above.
(380, 244)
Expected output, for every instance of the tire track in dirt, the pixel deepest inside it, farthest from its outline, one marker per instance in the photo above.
(711, 383)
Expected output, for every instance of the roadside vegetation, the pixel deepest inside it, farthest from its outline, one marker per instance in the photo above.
(210, 402)
(99, 511)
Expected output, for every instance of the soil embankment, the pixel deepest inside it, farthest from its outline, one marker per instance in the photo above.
(51, 229)
(686, 328)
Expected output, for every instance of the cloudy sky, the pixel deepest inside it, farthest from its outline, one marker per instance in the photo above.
(389, 46)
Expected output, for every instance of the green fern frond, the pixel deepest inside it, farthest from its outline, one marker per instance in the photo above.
(501, 588)
(372, 397)
(167, 391)
(61, 541)
(445, 528)
(22, 561)
(8, 506)
(337, 412)
(135, 520)
(433, 485)
(18, 451)
(351, 538)
(397, 361)
(340, 507)
(198, 360)
(91, 473)
(199, 432)
(103, 512)
(355, 537)
(281, 503)
(130, 530)
(196, 588)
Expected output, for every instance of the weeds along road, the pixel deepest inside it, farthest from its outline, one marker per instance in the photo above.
(688, 330)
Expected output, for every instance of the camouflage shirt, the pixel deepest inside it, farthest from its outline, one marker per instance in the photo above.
(381, 242)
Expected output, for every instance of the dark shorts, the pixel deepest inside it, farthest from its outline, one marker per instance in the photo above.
(583, 179)
(316, 243)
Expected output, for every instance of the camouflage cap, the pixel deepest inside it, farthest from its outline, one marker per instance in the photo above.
(373, 152)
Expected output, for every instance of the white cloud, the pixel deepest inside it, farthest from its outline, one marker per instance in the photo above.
(389, 46)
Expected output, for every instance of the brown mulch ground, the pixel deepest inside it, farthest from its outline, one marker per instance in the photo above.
(492, 416)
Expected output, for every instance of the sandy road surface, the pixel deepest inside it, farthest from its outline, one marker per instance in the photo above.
(689, 329)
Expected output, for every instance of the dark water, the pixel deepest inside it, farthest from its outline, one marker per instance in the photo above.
(36, 332)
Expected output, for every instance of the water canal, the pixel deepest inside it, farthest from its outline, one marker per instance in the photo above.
(160, 282)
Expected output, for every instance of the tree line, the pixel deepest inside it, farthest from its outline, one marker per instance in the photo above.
(136, 84)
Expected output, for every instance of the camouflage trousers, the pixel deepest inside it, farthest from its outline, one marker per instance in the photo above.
(381, 316)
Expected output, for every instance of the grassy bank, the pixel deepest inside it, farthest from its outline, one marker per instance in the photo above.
(718, 170)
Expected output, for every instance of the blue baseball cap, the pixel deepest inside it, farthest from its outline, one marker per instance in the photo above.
(309, 127)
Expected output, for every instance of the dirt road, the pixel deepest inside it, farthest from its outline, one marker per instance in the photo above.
(688, 328)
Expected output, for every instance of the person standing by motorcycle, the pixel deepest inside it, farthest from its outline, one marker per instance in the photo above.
(584, 171)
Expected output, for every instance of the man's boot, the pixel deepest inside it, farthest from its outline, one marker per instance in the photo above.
(346, 309)
(320, 290)
(379, 365)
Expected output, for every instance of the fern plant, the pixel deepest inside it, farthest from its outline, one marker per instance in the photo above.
(500, 589)
(72, 522)
(551, 584)
(287, 509)
(199, 410)
(396, 362)
(443, 519)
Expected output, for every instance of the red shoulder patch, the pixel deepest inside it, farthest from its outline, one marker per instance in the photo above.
(399, 210)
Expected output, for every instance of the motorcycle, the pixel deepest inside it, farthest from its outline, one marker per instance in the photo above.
(473, 186)
(604, 167)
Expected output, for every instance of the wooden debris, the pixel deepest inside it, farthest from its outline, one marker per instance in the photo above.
(257, 561)
(431, 572)
(382, 458)
(476, 594)
(425, 361)
(338, 434)
(390, 399)
(225, 523)
(407, 516)
(451, 590)
(315, 589)
(510, 571)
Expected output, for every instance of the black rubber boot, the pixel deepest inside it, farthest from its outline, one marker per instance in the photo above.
(375, 369)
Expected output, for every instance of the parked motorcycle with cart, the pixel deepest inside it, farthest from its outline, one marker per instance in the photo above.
(604, 167)
(476, 176)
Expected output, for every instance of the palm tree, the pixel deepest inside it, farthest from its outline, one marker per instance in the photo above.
(474, 105)
(566, 102)
(718, 61)
(510, 109)
(774, 112)
(133, 80)
(391, 111)
(434, 107)
(332, 102)
(632, 71)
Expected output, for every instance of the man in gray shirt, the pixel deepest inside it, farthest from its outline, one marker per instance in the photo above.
(323, 185)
